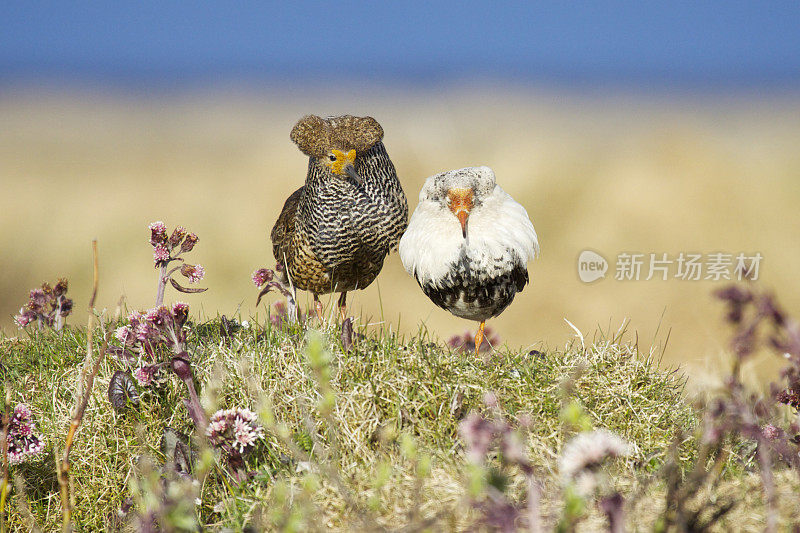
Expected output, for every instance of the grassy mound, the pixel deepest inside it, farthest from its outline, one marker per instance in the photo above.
(362, 440)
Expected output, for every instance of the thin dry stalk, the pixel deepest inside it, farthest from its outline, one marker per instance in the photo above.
(768, 482)
(162, 285)
(84, 391)
(24, 506)
(5, 487)
(534, 498)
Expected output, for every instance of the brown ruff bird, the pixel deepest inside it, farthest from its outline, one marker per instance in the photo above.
(334, 232)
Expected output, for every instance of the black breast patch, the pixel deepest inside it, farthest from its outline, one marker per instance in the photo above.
(475, 295)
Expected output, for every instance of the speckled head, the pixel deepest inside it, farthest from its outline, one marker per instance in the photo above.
(459, 191)
(479, 180)
(316, 136)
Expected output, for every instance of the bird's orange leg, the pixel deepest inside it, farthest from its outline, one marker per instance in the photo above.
(479, 337)
(318, 308)
(343, 306)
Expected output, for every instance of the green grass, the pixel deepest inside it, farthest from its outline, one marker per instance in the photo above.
(397, 407)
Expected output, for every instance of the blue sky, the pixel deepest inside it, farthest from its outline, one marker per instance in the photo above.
(730, 43)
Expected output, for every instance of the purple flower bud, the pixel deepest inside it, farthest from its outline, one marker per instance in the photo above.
(177, 236)
(158, 233)
(456, 341)
(38, 299)
(789, 397)
(735, 294)
(158, 317)
(478, 433)
(180, 312)
(279, 316)
(182, 368)
(66, 307)
(189, 243)
(61, 287)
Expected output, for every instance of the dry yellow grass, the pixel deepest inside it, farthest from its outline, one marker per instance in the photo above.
(691, 174)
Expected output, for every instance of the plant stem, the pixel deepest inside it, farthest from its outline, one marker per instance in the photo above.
(162, 285)
(59, 318)
(768, 483)
(84, 391)
(5, 488)
(183, 369)
(534, 497)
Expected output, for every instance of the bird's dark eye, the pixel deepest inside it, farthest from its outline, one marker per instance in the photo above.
(332, 157)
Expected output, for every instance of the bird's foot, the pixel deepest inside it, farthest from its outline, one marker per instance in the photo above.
(479, 337)
(343, 307)
(318, 308)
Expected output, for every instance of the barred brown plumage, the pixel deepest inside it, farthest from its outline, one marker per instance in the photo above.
(334, 233)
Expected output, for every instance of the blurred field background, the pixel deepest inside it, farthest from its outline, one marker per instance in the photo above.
(650, 127)
(610, 173)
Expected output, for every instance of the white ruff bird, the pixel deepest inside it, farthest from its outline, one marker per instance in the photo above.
(468, 244)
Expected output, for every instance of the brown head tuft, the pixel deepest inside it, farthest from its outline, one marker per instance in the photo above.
(316, 136)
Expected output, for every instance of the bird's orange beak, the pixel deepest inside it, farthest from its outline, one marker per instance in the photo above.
(460, 204)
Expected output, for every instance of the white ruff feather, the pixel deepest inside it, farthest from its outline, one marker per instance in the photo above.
(498, 228)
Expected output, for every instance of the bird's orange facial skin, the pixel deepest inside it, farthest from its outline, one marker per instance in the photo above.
(337, 160)
(460, 202)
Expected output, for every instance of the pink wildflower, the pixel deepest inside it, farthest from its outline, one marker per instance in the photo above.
(160, 254)
(124, 334)
(235, 427)
(23, 441)
(146, 332)
(587, 450)
(134, 318)
(771, 432)
(24, 318)
(22, 411)
(261, 276)
(143, 375)
(158, 316)
(193, 272)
